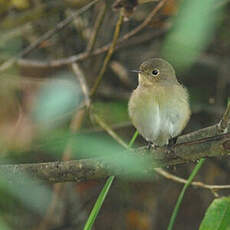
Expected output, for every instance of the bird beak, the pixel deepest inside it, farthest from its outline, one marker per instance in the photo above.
(135, 71)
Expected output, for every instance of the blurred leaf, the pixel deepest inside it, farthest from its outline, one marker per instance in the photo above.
(112, 112)
(10, 47)
(124, 162)
(56, 101)
(4, 5)
(217, 216)
(30, 193)
(192, 31)
(14, 20)
(20, 4)
(53, 141)
(3, 225)
(121, 161)
(8, 35)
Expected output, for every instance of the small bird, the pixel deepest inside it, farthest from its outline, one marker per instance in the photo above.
(159, 106)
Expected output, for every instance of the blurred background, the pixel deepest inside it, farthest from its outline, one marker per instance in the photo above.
(43, 102)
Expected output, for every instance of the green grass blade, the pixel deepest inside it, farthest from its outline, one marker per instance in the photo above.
(133, 139)
(100, 200)
(180, 198)
(98, 204)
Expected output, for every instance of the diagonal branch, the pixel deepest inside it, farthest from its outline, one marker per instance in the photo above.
(46, 36)
(97, 26)
(85, 55)
(109, 54)
(212, 188)
(87, 169)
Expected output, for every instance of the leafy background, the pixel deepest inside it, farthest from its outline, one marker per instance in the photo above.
(38, 105)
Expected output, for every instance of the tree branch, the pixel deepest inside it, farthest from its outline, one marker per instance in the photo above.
(85, 55)
(87, 169)
(55, 172)
(212, 188)
(46, 36)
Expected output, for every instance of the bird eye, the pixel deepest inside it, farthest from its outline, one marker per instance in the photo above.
(155, 72)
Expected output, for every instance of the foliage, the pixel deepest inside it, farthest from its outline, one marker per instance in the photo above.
(43, 116)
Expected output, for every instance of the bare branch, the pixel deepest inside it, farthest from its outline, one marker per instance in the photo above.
(97, 26)
(109, 54)
(84, 55)
(55, 172)
(88, 169)
(79, 74)
(109, 131)
(170, 176)
(46, 36)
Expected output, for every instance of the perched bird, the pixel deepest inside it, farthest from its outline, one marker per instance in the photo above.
(159, 106)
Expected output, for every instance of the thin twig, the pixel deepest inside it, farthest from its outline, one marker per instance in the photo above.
(109, 130)
(223, 125)
(195, 183)
(84, 55)
(46, 36)
(146, 21)
(122, 73)
(79, 74)
(97, 26)
(79, 57)
(109, 54)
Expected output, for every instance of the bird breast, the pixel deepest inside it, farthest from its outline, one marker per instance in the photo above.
(159, 113)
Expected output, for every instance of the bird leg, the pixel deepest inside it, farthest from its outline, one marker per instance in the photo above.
(151, 145)
(172, 141)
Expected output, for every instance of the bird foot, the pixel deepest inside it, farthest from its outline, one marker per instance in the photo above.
(151, 145)
(172, 141)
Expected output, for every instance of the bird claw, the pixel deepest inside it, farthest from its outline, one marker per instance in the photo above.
(151, 145)
(172, 141)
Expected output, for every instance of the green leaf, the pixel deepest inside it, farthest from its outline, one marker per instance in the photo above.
(3, 225)
(20, 188)
(217, 216)
(31, 193)
(56, 101)
(112, 112)
(191, 33)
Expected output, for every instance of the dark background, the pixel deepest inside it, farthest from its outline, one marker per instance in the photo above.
(136, 205)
